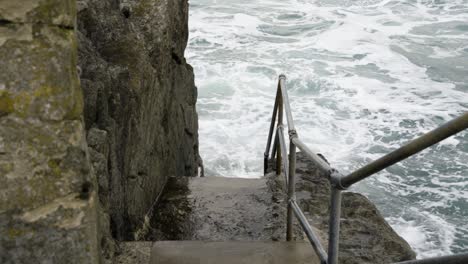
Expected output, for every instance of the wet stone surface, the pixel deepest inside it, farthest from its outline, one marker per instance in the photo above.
(226, 209)
(218, 209)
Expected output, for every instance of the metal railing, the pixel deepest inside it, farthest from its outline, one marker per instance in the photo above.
(338, 181)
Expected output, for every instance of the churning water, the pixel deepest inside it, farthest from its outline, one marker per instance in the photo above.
(364, 76)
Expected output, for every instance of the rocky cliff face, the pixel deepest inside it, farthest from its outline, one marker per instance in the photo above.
(47, 194)
(115, 138)
(139, 103)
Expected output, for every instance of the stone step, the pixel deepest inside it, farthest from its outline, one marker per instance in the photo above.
(133, 252)
(242, 210)
(219, 209)
(232, 252)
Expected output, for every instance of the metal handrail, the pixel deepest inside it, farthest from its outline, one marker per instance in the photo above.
(283, 151)
(339, 182)
(453, 259)
(435, 136)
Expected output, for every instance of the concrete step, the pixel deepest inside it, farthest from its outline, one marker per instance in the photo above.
(219, 209)
(232, 252)
(134, 252)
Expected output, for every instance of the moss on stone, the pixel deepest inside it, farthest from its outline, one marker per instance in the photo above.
(6, 104)
(76, 100)
(39, 93)
(142, 8)
(13, 233)
(54, 166)
(44, 92)
(56, 12)
(75, 104)
(6, 168)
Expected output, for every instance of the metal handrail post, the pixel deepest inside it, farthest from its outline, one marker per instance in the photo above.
(280, 123)
(287, 106)
(270, 134)
(291, 190)
(318, 161)
(309, 232)
(461, 258)
(337, 181)
(284, 154)
(275, 145)
(334, 226)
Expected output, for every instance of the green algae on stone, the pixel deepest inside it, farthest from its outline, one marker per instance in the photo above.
(50, 12)
(48, 85)
(14, 233)
(55, 12)
(143, 7)
(6, 104)
(51, 158)
(43, 155)
(54, 165)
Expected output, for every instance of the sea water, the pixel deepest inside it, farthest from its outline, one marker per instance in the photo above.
(364, 77)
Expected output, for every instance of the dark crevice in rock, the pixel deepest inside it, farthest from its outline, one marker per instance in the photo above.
(85, 190)
(188, 132)
(126, 12)
(165, 123)
(176, 58)
(67, 27)
(113, 228)
(4, 22)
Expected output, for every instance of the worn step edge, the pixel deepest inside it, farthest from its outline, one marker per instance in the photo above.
(232, 252)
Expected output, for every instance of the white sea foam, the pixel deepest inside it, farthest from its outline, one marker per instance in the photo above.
(364, 78)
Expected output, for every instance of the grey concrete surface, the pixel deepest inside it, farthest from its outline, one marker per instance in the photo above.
(219, 209)
(133, 253)
(232, 252)
(252, 212)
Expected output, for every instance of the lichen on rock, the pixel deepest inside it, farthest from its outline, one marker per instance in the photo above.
(48, 194)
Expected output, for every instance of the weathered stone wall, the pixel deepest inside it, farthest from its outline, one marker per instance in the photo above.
(47, 193)
(139, 103)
